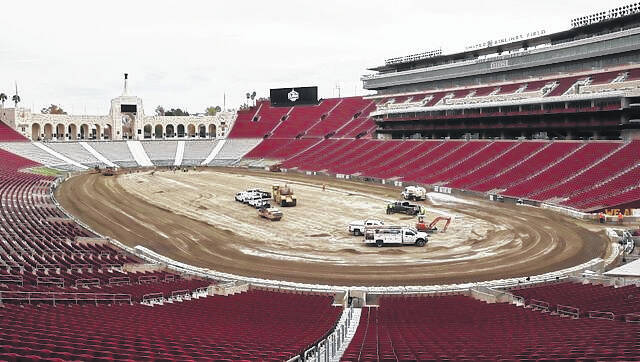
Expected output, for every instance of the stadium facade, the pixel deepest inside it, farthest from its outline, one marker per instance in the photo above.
(581, 83)
(126, 121)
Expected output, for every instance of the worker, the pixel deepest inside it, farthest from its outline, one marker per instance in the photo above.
(421, 226)
(323, 187)
(423, 210)
(389, 207)
(620, 218)
(601, 217)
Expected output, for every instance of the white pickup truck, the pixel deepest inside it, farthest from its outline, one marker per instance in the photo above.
(403, 235)
(358, 227)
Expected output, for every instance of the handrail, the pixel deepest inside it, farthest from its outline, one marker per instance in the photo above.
(568, 310)
(632, 317)
(539, 304)
(330, 345)
(119, 280)
(55, 297)
(50, 280)
(148, 279)
(88, 282)
(10, 278)
(596, 314)
(151, 296)
(180, 292)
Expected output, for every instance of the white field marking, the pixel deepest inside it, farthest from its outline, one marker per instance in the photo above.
(446, 198)
(214, 152)
(179, 154)
(97, 154)
(60, 156)
(178, 183)
(139, 154)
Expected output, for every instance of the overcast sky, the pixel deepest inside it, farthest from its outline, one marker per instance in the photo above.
(188, 54)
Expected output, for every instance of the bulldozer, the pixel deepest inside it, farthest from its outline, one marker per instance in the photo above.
(283, 196)
(431, 228)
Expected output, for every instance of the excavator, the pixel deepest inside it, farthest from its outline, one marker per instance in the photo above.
(431, 228)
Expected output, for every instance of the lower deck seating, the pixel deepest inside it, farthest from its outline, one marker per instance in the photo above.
(589, 175)
(257, 324)
(462, 328)
(8, 134)
(586, 297)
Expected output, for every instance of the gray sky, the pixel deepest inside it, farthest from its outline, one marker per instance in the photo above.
(187, 54)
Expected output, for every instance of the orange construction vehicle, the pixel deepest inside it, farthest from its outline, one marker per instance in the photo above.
(431, 228)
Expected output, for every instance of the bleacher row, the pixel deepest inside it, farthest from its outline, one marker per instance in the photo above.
(335, 117)
(462, 328)
(583, 175)
(599, 300)
(255, 325)
(160, 153)
(66, 296)
(596, 82)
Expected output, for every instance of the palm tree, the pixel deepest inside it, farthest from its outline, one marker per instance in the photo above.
(16, 99)
(248, 96)
(253, 97)
(3, 97)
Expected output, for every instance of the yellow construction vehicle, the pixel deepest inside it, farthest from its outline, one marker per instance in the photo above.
(283, 196)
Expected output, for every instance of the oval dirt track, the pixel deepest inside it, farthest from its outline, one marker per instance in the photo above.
(192, 217)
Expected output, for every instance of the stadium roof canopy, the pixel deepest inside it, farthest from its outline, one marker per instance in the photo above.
(585, 31)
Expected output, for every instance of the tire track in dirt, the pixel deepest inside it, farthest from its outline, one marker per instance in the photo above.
(191, 217)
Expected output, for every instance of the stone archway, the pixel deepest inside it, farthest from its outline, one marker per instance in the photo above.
(180, 130)
(107, 132)
(72, 130)
(202, 131)
(158, 131)
(170, 131)
(146, 131)
(84, 131)
(35, 132)
(48, 132)
(212, 131)
(191, 130)
(96, 131)
(60, 134)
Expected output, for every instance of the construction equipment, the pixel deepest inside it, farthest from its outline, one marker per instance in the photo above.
(431, 228)
(283, 196)
(416, 193)
(403, 207)
(381, 235)
(270, 213)
(108, 171)
(275, 168)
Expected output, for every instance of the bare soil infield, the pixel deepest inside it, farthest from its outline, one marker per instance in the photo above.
(192, 217)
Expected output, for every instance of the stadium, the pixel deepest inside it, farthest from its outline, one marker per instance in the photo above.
(473, 205)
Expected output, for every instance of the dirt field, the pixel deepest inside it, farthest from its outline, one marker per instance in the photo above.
(192, 217)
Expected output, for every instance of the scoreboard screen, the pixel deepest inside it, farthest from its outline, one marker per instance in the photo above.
(128, 108)
(287, 97)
